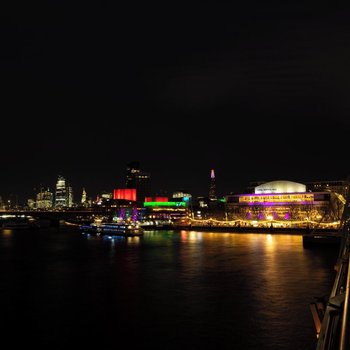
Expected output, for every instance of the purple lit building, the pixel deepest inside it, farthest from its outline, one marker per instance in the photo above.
(285, 203)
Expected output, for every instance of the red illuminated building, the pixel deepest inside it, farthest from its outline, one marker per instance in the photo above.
(125, 193)
(156, 199)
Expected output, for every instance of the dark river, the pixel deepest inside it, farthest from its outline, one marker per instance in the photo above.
(166, 290)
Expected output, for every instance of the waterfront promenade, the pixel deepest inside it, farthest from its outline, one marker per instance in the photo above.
(254, 229)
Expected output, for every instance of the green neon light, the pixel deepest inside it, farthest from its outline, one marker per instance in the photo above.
(164, 204)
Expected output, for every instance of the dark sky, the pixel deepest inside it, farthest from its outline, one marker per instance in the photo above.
(256, 91)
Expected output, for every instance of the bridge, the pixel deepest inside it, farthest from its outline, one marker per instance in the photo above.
(332, 319)
(56, 216)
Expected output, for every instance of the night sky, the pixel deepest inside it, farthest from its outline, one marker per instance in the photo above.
(257, 91)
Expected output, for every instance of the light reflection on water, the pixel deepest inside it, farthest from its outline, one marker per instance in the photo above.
(177, 289)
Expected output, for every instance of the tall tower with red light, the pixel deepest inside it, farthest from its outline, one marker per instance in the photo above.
(212, 186)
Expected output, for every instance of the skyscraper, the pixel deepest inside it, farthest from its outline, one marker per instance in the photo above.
(140, 180)
(61, 193)
(212, 186)
(83, 198)
(132, 169)
(69, 190)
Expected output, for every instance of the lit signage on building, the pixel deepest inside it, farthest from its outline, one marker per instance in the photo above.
(164, 204)
(278, 198)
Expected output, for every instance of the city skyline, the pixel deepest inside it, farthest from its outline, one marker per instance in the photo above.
(256, 91)
(61, 183)
(77, 191)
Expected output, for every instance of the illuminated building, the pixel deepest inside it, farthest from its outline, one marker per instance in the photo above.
(61, 193)
(208, 206)
(119, 205)
(83, 197)
(186, 197)
(30, 203)
(106, 195)
(181, 194)
(104, 198)
(156, 199)
(340, 187)
(44, 199)
(202, 202)
(212, 186)
(2, 204)
(69, 196)
(125, 193)
(159, 210)
(139, 180)
(85, 201)
(164, 204)
(285, 202)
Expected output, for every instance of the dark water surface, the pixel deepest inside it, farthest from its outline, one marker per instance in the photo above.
(166, 290)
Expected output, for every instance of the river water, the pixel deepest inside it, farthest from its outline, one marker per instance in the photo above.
(165, 290)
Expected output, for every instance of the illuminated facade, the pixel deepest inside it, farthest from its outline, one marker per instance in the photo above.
(285, 198)
(70, 202)
(164, 211)
(44, 199)
(125, 193)
(83, 198)
(181, 194)
(61, 193)
(283, 202)
(156, 199)
(30, 204)
(212, 186)
(339, 186)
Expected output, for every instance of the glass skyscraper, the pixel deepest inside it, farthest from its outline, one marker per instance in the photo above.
(61, 193)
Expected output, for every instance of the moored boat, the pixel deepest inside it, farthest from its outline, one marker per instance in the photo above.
(111, 228)
(17, 222)
(320, 238)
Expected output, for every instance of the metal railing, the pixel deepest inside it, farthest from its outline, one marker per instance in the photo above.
(334, 331)
(344, 336)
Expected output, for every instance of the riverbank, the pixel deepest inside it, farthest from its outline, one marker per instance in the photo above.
(242, 229)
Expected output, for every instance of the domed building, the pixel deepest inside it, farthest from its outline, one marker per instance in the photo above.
(284, 203)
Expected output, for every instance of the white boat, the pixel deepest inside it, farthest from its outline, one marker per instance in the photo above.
(111, 228)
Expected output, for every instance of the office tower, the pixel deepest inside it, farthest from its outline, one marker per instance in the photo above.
(61, 193)
(44, 199)
(132, 169)
(139, 180)
(69, 200)
(83, 198)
